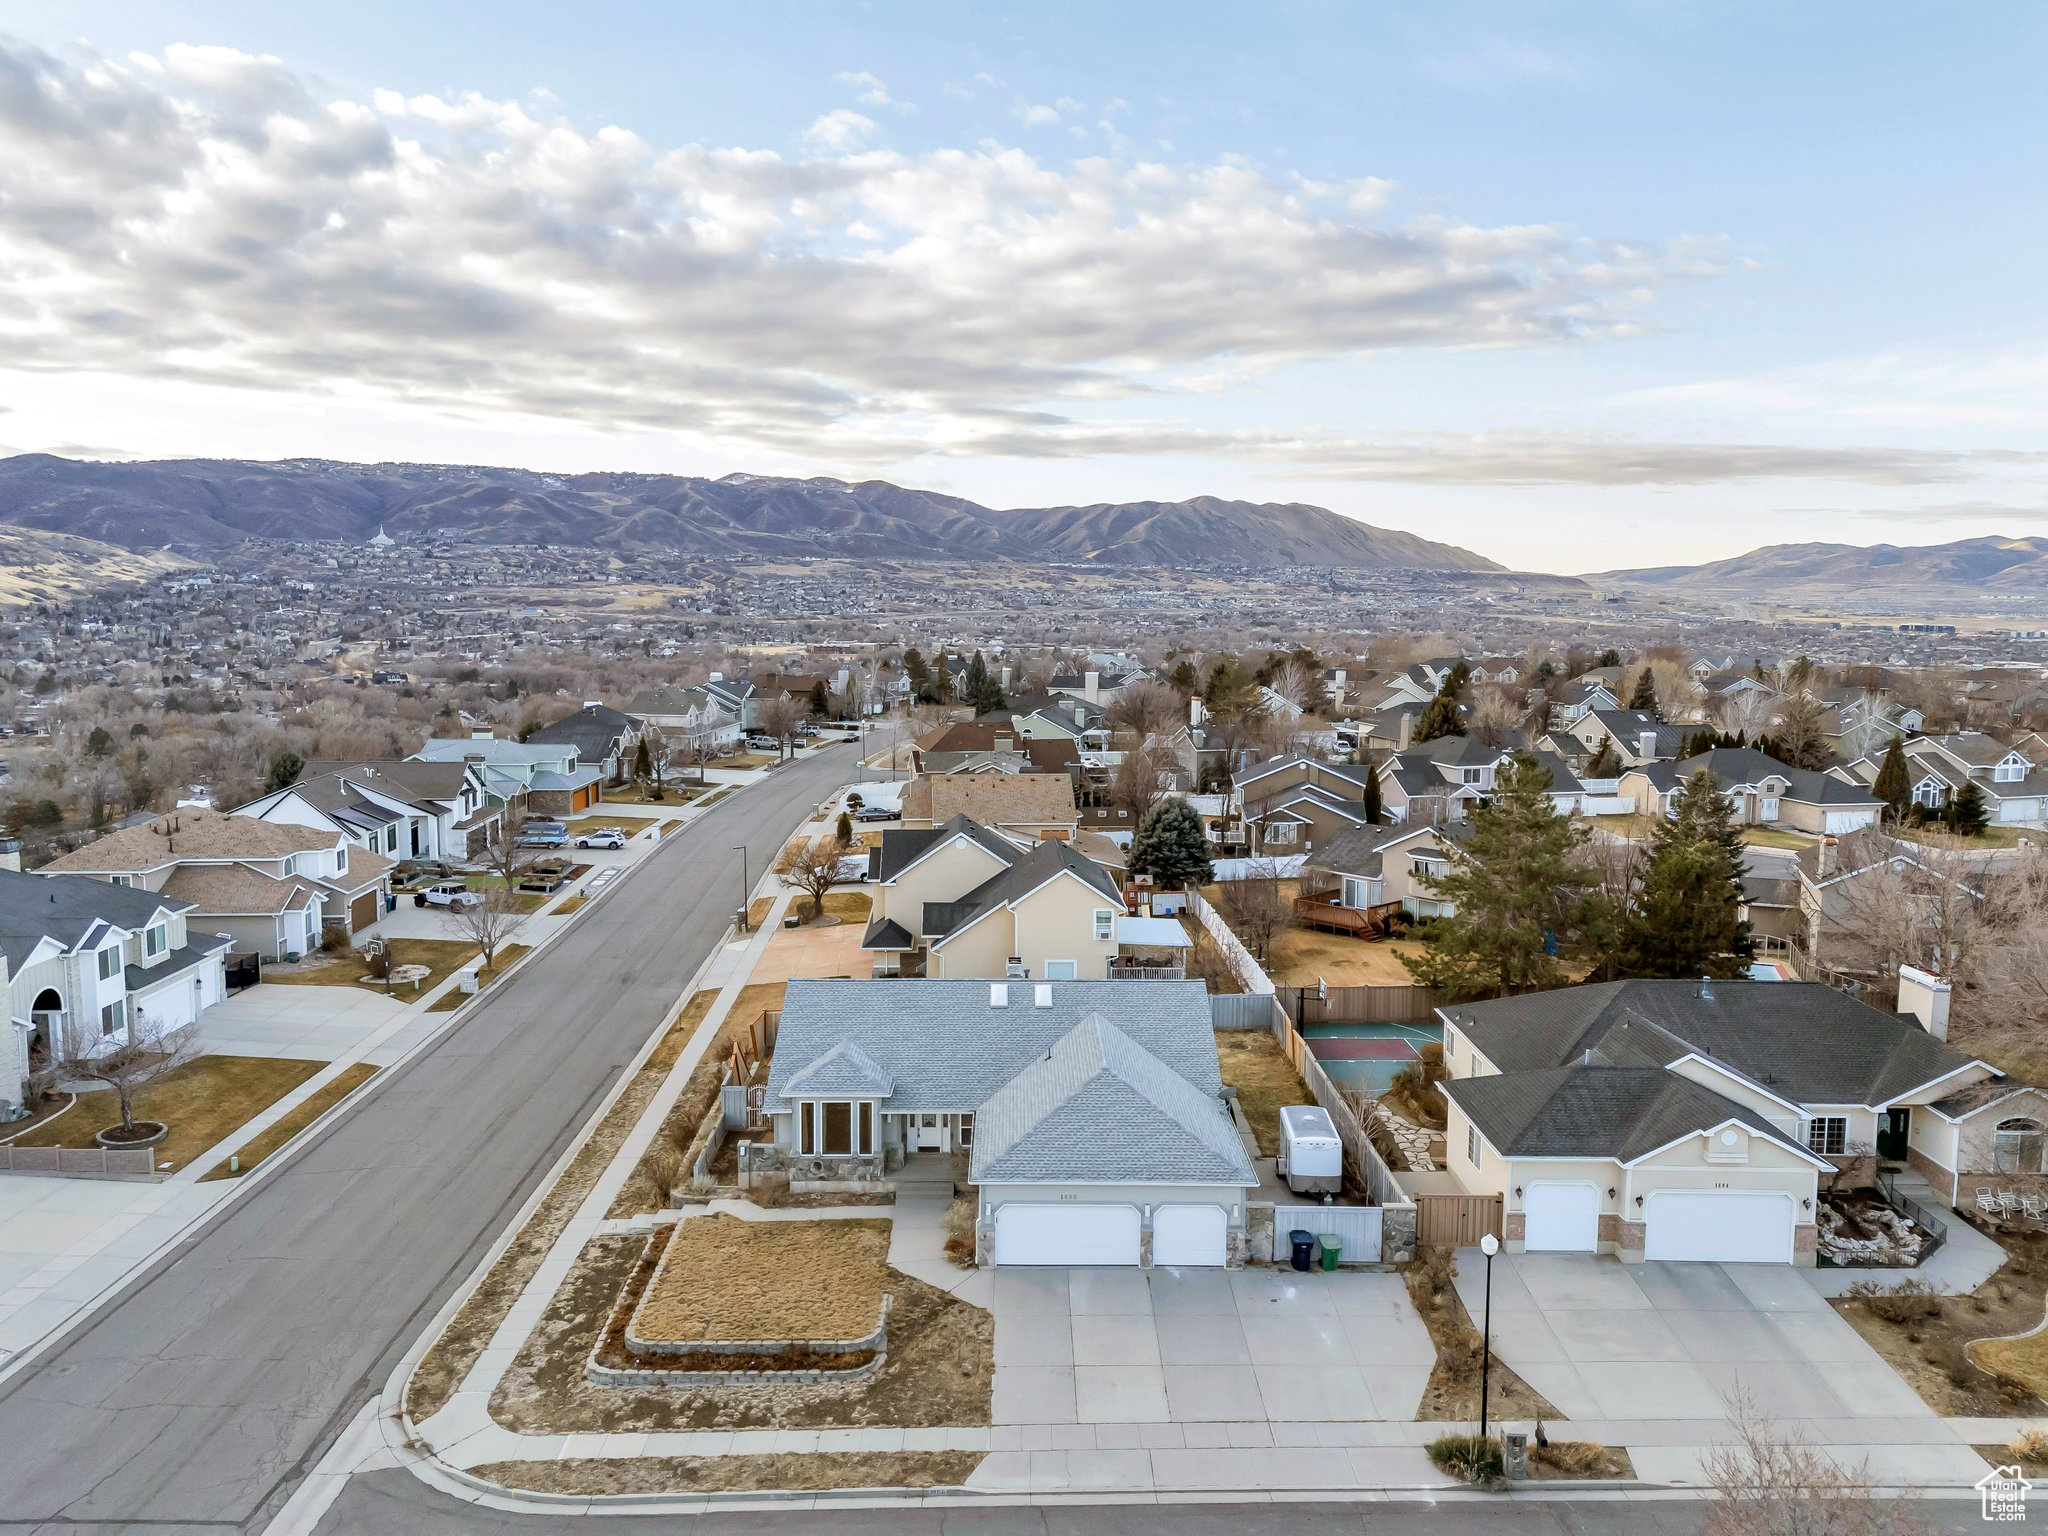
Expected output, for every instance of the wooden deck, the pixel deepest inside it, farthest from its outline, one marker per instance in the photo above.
(1322, 911)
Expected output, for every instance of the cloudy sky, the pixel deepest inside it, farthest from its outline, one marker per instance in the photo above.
(1577, 286)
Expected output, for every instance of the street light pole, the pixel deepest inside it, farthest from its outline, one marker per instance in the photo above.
(746, 887)
(1488, 1245)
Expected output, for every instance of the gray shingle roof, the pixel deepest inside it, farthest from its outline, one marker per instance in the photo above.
(1595, 1111)
(901, 847)
(1804, 1042)
(846, 1070)
(1047, 861)
(1099, 1108)
(946, 1050)
(594, 730)
(886, 933)
(1731, 766)
(67, 907)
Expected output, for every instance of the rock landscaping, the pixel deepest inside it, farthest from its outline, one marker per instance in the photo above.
(1861, 1230)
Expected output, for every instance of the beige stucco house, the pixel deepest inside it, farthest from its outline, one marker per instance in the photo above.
(1669, 1120)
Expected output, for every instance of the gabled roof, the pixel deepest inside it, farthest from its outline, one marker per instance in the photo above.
(1361, 850)
(1802, 1041)
(191, 833)
(67, 909)
(414, 780)
(594, 730)
(1099, 1108)
(235, 890)
(901, 848)
(1048, 861)
(946, 1048)
(843, 1071)
(1599, 1111)
(1735, 766)
(886, 933)
(1029, 798)
(1629, 726)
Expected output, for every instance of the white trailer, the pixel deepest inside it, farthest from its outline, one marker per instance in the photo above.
(1311, 1157)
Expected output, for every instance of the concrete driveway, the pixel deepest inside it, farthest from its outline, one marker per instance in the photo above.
(1605, 1340)
(1246, 1347)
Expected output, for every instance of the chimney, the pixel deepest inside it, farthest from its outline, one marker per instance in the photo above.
(999, 994)
(1195, 710)
(1337, 680)
(1091, 686)
(1041, 995)
(480, 733)
(1827, 854)
(1646, 746)
(716, 677)
(1407, 735)
(1003, 676)
(10, 854)
(1925, 996)
(593, 703)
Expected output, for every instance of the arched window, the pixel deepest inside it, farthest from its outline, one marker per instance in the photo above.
(2018, 1146)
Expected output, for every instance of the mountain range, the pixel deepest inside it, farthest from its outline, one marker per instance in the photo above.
(1839, 574)
(197, 505)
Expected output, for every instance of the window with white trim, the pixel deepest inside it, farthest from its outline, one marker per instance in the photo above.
(110, 962)
(1472, 1145)
(1471, 775)
(120, 879)
(1062, 970)
(2009, 771)
(1281, 832)
(1828, 1135)
(113, 1016)
(1105, 925)
(155, 940)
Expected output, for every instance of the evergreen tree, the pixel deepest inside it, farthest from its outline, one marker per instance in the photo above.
(1171, 846)
(99, 743)
(1605, 763)
(1373, 806)
(285, 769)
(643, 762)
(1515, 894)
(942, 682)
(1185, 680)
(974, 677)
(1966, 813)
(844, 830)
(919, 674)
(1440, 715)
(1687, 918)
(989, 698)
(1645, 695)
(1892, 785)
(1609, 658)
(821, 700)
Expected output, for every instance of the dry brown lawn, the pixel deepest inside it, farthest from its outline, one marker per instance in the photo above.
(1933, 1341)
(452, 1355)
(849, 906)
(795, 1471)
(253, 1152)
(1579, 1459)
(571, 903)
(724, 1279)
(202, 1102)
(1299, 957)
(633, 794)
(939, 1370)
(441, 957)
(1254, 1063)
(454, 998)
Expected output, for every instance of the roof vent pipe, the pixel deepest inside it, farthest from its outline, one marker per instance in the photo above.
(1707, 988)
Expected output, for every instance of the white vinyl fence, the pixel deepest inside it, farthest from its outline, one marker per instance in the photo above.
(1356, 1226)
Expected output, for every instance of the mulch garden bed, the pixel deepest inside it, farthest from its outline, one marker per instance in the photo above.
(1453, 1390)
(940, 1366)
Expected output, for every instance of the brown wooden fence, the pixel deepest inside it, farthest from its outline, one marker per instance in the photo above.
(1308, 1006)
(1455, 1221)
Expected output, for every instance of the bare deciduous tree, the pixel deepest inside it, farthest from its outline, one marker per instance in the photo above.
(815, 866)
(1146, 708)
(779, 717)
(489, 924)
(1138, 784)
(1498, 715)
(124, 1060)
(1771, 1483)
(1255, 907)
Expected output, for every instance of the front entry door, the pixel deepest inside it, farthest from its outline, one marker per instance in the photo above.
(1893, 1135)
(928, 1133)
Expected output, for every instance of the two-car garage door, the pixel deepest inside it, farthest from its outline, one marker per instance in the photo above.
(1721, 1226)
(1082, 1235)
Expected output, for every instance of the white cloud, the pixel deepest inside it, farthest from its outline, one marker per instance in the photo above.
(871, 92)
(211, 220)
(1038, 116)
(841, 129)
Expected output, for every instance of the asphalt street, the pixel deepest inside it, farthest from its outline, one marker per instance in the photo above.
(385, 1502)
(197, 1399)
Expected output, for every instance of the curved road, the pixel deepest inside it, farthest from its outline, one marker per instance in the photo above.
(199, 1397)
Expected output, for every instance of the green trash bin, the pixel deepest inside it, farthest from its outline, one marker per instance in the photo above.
(1329, 1248)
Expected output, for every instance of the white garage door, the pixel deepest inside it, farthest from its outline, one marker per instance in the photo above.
(1561, 1218)
(1067, 1234)
(1722, 1226)
(1189, 1234)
